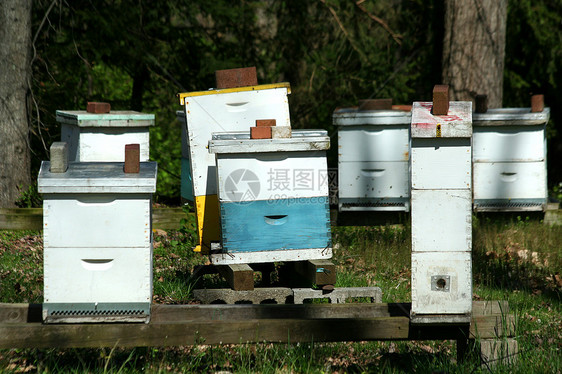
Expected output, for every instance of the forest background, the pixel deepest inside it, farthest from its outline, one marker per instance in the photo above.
(139, 54)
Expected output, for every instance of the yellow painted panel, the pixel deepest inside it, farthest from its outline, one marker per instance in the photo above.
(208, 222)
(182, 96)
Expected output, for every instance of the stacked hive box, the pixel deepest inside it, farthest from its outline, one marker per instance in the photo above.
(102, 136)
(441, 183)
(186, 180)
(273, 197)
(373, 159)
(223, 110)
(97, 242)
(510, 160)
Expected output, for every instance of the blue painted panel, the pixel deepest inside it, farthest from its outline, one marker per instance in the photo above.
(271, 225)
(186, 182)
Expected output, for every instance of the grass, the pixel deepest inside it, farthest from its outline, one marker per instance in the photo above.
(517, 260)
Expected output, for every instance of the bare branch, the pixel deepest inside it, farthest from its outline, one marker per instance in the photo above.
(397, 38)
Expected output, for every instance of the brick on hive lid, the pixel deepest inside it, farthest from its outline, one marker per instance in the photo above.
(440, 100)
(98, 107)
(261, 132)
(481, 102)
(59, 157)
(132, 158)
(240, 77)
(537, 103)
(375, 104)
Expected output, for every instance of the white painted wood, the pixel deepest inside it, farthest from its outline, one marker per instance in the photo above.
(355, 117)
(97, 220)
(224, 111)
(317, 143)
(457, 299)
(271, 176)
(271, 256)
(457, 124)
(441, 220)
(104, 144)
(373, 143)
(97, 177)
(511, 117)
(80, 275)
(441, 163)
(373, 179)
(510, 180)
(509, 143)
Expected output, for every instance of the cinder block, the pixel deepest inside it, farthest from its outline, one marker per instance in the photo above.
(338, 295)
(265, 122)
(481, 103)
(537, 103)
(132, 158)
(440, 100)
(59, 157)
(375, 104)
(279, 132)
(232, 78)
(98, 107)
(279, 295)
(262, 132)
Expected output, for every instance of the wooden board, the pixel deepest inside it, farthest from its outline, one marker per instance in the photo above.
(171, 325)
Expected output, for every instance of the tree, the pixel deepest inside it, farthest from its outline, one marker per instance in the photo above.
(474, 49)
(15, 54)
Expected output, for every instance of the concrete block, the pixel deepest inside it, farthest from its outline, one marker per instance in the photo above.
(262, 132)
(338, 295)
(265, 122)
(277, 295)
(132, 158)
(279, 132)
(98, 107)
(440, 100)
(375, 104)
(232, 78)
(59, 157)
(481, 102)
(537, 103)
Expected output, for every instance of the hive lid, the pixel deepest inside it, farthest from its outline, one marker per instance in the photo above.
(97, 177)
(215, 91)
(240, 142)
(456, 124)
(511, 117)
(115, 118)
(355, 117)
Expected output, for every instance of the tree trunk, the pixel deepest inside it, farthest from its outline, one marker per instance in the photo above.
(474, 49)
(15, 54)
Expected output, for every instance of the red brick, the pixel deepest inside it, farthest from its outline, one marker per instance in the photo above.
(440, 100)
(375, 104)
(265, 122)
(481, 103)
(537, 103)
(405, 108)
(232, 78)
(132, 158)
(98, 107)
(262, 132)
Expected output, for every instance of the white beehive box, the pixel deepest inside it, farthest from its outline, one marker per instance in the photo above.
(102, 137)
(97, 242)
(273, 197)
(441, 205)
(223, 110)
(185, 175)
(510, 160)
(373, 155)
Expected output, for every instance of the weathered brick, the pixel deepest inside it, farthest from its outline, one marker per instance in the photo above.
(98, 107)
(405, 108)
(281, 132)
(265, 122)
(481, 103)
(537, 103)
(232, 78)
(440, 100)
(375, 104)
(132, 158)
(262, 132)
(59, 157)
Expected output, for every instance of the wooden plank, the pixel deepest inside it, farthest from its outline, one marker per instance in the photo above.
(485, 307)
(492, 326)
(316, 272)
(32, 218)
(36, 335)
(240, 277)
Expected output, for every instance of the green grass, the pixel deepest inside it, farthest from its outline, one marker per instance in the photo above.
(516, 260)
